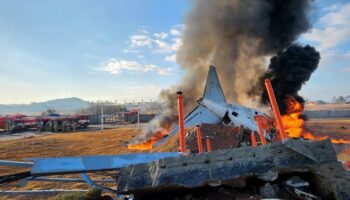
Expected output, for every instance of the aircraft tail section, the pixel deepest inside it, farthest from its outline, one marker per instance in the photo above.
(213, 90)
(201, 114)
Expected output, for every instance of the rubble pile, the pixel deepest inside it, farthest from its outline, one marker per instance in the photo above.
(221, 137)
(292, 169)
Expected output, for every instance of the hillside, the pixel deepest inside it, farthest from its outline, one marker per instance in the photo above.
(65, 105)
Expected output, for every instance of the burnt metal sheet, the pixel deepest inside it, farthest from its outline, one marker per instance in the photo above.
(65, 165)
(74, 180)
(15, 163)
(91, 183)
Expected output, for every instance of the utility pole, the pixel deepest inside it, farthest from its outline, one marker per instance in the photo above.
(102, 118)
(138, 116)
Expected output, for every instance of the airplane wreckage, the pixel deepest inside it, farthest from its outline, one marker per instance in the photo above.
(244, 168)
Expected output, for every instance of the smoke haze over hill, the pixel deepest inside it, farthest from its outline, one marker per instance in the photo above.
(65, 105)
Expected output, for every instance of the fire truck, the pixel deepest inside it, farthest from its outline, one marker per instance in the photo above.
(55, 123)
(51, 123)
(13, 122)
(83, 120)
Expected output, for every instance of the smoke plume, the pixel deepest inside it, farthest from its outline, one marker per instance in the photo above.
(288, 71)
(236, 36)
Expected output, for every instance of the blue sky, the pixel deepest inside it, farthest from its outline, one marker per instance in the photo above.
(124, 50)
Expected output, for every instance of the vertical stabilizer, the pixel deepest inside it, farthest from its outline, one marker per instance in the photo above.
(213, 90)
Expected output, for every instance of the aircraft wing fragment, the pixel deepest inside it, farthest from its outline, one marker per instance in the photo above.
(66, 165)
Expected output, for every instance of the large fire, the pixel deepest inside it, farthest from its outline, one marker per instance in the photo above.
(148, 144)
(294, 123)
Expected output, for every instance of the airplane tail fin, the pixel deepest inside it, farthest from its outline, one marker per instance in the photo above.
(213, 90)
(201, 114)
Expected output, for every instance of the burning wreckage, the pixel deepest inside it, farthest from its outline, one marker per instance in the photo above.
(284, 165)
(251, 161)
(248, 154)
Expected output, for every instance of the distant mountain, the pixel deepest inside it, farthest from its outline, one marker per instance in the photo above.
(66, 105)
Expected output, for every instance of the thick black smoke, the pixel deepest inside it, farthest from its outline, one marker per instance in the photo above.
(287, 20)
(236, 36)
(288, 71)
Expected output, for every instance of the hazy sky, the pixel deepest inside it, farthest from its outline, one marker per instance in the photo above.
(125, 50)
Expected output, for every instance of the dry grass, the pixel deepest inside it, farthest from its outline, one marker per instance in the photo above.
(105, 142)
(69, 144)
(333, 127)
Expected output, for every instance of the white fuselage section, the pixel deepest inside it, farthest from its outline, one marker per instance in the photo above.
(233, 114)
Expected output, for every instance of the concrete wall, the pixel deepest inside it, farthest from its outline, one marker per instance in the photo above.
(343, 113)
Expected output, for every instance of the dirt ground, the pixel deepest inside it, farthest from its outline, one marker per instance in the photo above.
(69, 144)
(105, 143)
(334, 127)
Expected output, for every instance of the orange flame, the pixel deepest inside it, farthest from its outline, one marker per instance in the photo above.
(294, 124)
(148, 144)
(292, 120)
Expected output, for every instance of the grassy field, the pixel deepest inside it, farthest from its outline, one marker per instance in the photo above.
(67, 144)
(333, 127)
(105, 143)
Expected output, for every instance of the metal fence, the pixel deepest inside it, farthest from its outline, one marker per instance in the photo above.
(121, 118)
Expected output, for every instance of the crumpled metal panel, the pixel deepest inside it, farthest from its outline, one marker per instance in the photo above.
(15, 163)
(61, 165)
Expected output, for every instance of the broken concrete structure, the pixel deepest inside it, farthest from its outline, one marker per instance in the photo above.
(245, 169)
(221, 137)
